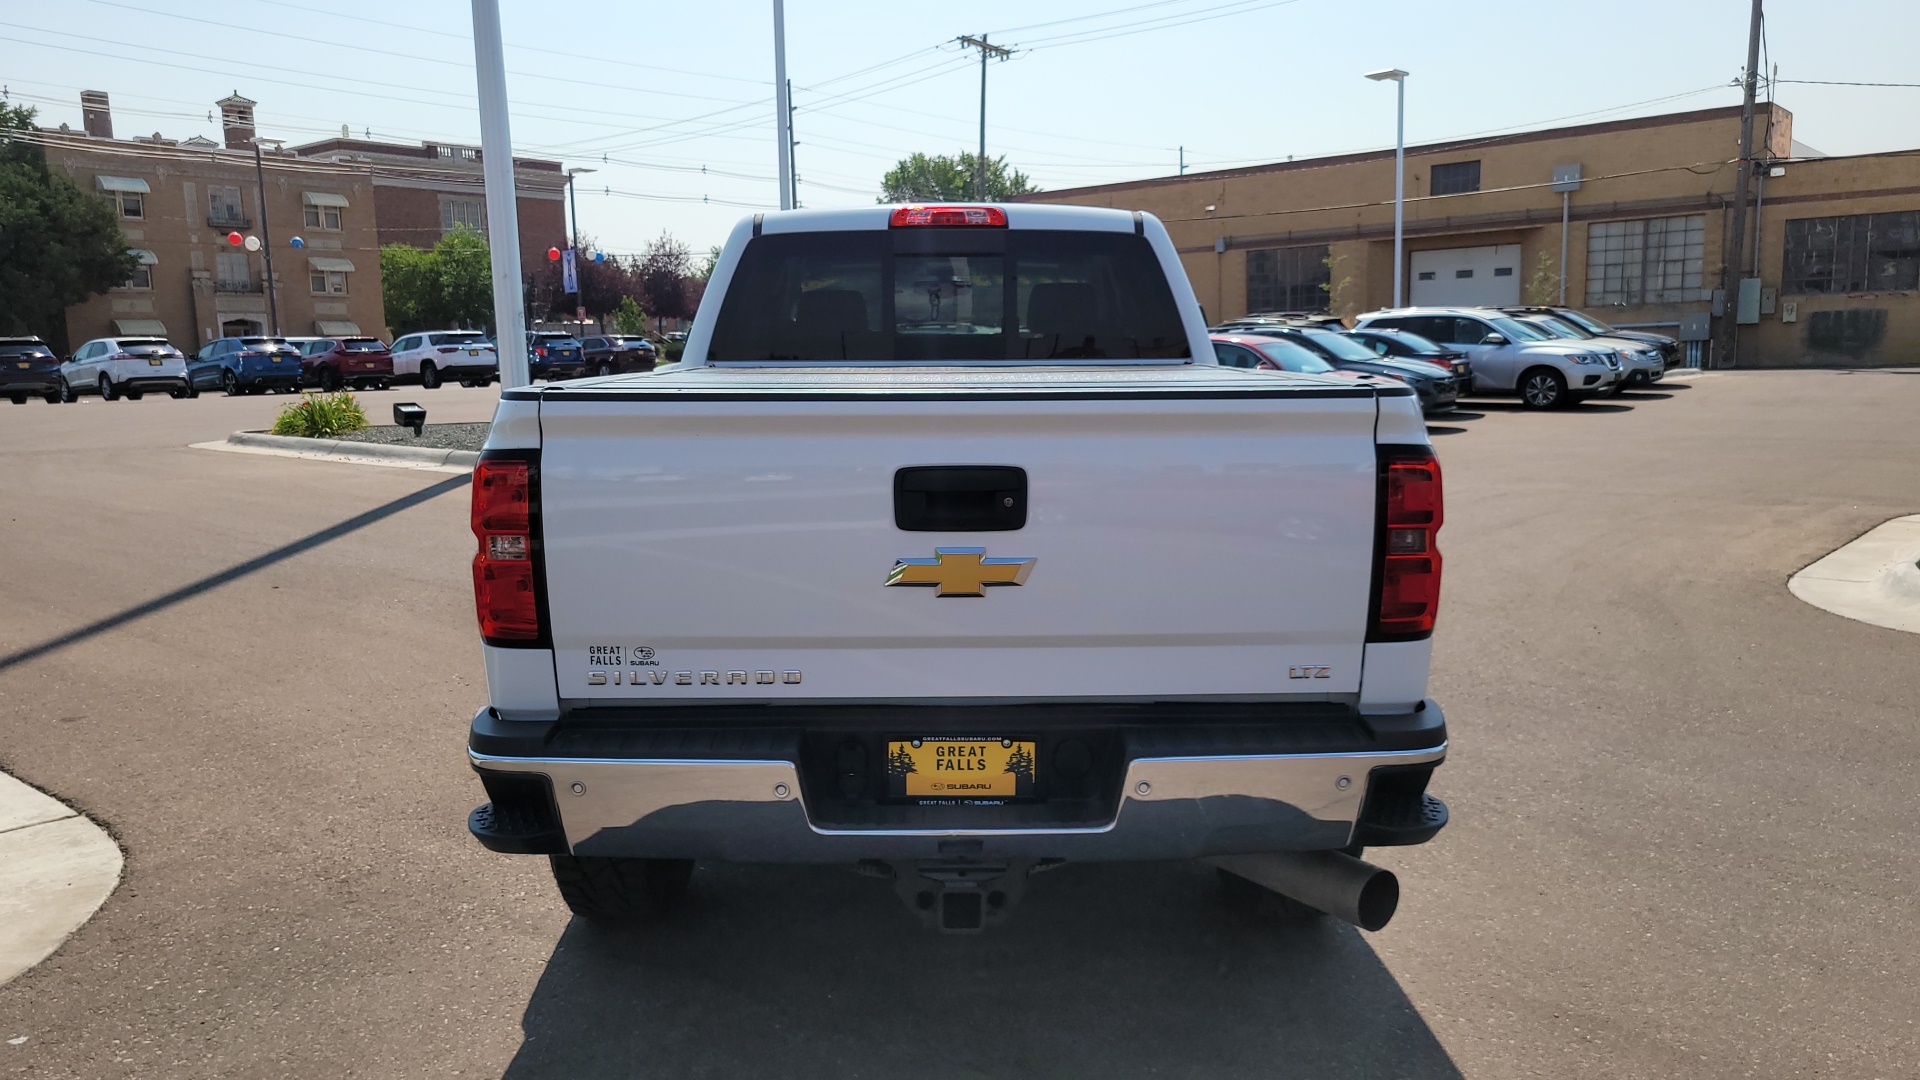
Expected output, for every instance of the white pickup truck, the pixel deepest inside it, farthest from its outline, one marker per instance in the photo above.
(949, 552)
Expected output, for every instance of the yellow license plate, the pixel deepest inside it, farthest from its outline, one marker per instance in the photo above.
(276, 359)
(960, 767)
(473, 352)
(25, 364)
(153, 361)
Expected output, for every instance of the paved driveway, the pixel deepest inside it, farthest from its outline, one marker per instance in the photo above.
(1684, 800)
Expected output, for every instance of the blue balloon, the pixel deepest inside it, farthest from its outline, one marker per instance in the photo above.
(297, 242)
(599, 256)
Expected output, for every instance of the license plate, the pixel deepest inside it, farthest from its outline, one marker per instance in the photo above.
(960, 767)
(153, 361)
(276, 359)
(24, 365)
(473, 352)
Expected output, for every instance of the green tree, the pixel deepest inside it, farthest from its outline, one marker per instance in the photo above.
(923, 178)
(628, 318)
(58, 244)
(452, 285)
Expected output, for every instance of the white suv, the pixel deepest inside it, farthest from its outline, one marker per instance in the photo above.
(434, 357)
(131, 366)
(1509, 356)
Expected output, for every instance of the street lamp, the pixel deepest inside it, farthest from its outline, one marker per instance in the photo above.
(1399, 78)
(574, 201)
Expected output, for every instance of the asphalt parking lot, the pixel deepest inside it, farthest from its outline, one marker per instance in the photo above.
(1683, 799)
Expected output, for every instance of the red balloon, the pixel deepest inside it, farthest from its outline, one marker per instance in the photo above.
(553, 254)
(233, 238)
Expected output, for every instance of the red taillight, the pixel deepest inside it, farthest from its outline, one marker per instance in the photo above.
(505, 585)
(1407, 579)
(540, 351)
(949, 215)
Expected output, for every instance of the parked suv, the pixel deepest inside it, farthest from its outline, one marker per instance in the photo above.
(1401, 345)
(28, 368)
(617, 354)
(361, 362)
(244, 365)
(1509, 356)
(132, 366)
(434, 357)
(1640, 363)
(1669, 348)
(554, 355)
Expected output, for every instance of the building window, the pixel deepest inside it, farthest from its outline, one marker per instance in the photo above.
(142, 278)
(1856, 253)
(323, 217)
(1456, 178)
(223, 208)
(1649, 261)
(133, 204)
(232, 272)
(329, 281)
(469, 212)
(1288, 279)
(443, 151)
(468, 153)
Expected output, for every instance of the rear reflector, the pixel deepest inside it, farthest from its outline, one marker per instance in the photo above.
(1407, 576)
(506, 594)
(949, 215)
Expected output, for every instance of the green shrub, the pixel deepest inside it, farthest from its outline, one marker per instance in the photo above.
(320, 416)
(670, 351)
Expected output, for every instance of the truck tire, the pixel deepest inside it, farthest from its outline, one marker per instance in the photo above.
(620, 891)
(1543, 388)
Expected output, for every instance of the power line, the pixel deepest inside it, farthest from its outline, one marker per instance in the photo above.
(1834, 82)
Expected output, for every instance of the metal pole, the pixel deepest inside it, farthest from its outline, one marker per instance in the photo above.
(1399, 189)
(980, 162)
(781, 104)
(1727, 333)
(793, 159)
(266, 236)
(1183, 161)
(1566, 210)
(503, 224)
(573, 244)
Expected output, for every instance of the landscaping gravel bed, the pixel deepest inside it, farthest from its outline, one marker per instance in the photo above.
(437, 436)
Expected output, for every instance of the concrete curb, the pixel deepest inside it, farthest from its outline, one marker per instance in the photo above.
(1874, 579)
(56, 869)
(357, 453)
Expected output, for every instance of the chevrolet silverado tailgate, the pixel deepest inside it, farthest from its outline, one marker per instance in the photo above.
(728, 534)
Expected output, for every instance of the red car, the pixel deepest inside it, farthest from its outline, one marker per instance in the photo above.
(361, 362)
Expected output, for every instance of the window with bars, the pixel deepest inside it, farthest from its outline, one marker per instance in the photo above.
(1288, 279)
(469, 212)
(1856, 253)
(1647, 261)
(232, 271)
(1455, 178)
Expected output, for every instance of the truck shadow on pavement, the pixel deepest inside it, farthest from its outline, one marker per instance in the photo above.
(1103, 971)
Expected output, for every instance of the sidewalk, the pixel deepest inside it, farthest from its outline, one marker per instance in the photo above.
(56, 869)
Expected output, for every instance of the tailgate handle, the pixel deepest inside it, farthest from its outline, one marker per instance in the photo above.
(960, 498)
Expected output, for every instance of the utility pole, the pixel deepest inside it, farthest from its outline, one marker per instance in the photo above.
(1183, 161)
(266, 237)
(987, 52)
(793, 163)
(782, 106)
(503, 203)
(1734, 259)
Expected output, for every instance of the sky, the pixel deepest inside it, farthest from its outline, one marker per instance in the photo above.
(672, 104)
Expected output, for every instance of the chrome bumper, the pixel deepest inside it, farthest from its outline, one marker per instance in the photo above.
(754, 811)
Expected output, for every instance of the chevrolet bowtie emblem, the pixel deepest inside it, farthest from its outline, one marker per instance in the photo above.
(960, 571)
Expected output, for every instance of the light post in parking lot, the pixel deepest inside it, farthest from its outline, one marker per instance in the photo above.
(1399, 79)
(573, 242)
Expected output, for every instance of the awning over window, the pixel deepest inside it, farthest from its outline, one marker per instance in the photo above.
(141, 327)
(147, 258)
(323, 198)
(328, 262)
(329, 328)
(122, 183)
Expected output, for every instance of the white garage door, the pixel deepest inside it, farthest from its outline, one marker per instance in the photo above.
(1465, 277)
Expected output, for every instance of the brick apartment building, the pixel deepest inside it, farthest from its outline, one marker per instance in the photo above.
(421, 192)
(1647, 207)
(178, 200)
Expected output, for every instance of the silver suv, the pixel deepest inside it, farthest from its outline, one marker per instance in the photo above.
(1509, 356)
(1640, 363)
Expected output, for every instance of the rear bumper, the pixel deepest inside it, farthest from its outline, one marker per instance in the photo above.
(29, 382)
(759, 794)
(156, 383)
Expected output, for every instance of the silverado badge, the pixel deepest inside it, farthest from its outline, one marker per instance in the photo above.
(960, 571)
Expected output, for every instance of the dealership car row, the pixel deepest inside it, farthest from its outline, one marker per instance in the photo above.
(131, 367)
(1549, 356)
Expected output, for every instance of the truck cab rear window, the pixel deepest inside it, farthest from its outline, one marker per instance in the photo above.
(937, 296)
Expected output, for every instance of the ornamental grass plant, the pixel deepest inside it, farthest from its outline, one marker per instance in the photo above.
(320, 416)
